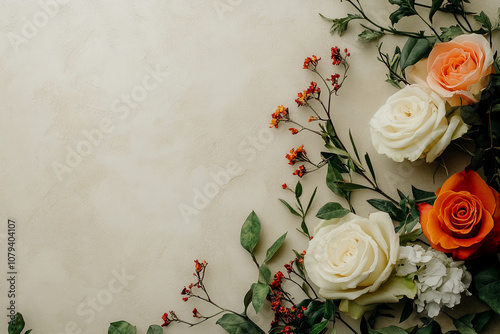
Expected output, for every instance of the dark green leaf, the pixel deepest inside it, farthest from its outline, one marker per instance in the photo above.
(470, 115)
(387, 330)
(409, 237)
(487, 283)
(414, 50)
(28, 331)
(259, 294)
(449, 33)
(311, 200)
(121, 327)
(292, 210)
(250, 233)
(274, 248)
(407, 310)
(247, 300)
(315, 312)
(298, 189)
(430, 328)
(332, 177)
(329, 309)
(389, 207)
(347, 186)
(464, 326)
(370, 167)
(264, 274)
(436, 4)
(304, 228)
(354, 146)
(400, 13)
(155, 329)
(17, 325)
(335, 161)
(481, 320)
(483, 19)
(422, 196)
(369, 35)
(235, 324)
(319, 327)
(332, 210)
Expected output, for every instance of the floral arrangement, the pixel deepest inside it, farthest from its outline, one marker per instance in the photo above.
(424, 249)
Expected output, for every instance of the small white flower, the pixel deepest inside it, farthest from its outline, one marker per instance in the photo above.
(439, 280)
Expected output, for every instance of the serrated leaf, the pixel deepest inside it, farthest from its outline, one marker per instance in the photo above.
(264, 274)
(235, 324)
(332, 210)
(155, 329)
(17, 325)
(250, 233)
(259, 294)
(292, 210)
(319, 327)
(414, 50)
(369, 35)
(121, 327)
(401, 12)
(274, 248)
(483, 19)
(340, 25)
(436, 4)
(449, 33)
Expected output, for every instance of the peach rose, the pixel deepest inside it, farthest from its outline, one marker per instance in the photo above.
(465, 218)
(457, 70)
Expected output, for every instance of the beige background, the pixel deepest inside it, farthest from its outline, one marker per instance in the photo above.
(171, 93)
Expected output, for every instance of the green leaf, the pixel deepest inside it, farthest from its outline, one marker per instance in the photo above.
(250, 233)
(370, 167)
(332, 177)
(481, 320)
(409, 237)
(487, 283)
(315, 312)
(414, 50)
(436, 4)
(17, 325)
(304, 228)
(335, 161)
(483, 19)
(332, 210)
(369, 35)
(354, 146)
(28, 331)
(400, 13)
(407, 310)
(274, 248)
(247, 299)
(430, 328)
(298, 190)
(340, 25)
(422, 196)
(470, 115)
(264, 274)
(464, 326)
(259, 294)
(347, 186)
(311, 200)
(155, 329)
(317, 328)
(329, 309)
(292, 210)
(389, 207)
(449, 33)
(234, 324)
(121, 327)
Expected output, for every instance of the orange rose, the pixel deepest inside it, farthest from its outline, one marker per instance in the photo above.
(465, 218)
(457, 70)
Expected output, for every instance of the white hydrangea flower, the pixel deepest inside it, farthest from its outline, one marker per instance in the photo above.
(439, 280)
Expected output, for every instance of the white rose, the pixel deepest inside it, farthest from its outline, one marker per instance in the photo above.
(353, 256)
(413, 124)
